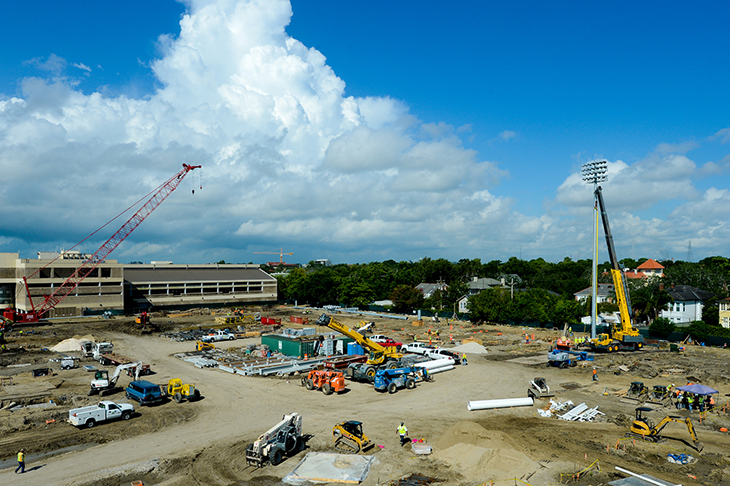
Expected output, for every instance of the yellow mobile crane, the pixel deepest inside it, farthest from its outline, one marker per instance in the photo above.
(380, 356)
(623, 336)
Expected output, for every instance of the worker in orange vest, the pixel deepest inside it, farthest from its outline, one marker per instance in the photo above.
(595, 374)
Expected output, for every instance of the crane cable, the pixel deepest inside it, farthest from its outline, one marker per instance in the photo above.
(100, 228)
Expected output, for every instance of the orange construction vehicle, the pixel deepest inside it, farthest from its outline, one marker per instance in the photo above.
(327, 381)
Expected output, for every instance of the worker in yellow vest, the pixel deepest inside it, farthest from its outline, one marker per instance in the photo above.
(403, 433)
(21, 462)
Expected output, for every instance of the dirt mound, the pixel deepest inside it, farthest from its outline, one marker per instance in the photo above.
(72, 344)
(472, 449)
(471, 348)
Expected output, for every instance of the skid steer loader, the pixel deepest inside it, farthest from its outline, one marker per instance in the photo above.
(539, 389)
(348, 437)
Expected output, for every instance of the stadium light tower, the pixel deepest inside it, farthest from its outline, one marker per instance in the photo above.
(594, 172)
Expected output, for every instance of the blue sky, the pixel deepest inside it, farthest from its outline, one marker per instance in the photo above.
(366, 131)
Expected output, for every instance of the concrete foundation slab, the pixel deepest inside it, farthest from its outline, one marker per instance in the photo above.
(324, 467)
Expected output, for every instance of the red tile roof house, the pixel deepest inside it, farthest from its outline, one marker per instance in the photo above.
(650, 268)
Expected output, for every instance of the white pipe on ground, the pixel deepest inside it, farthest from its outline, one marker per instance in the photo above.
(440, 369)
(437, 363)
(500, 403)
(650, 481)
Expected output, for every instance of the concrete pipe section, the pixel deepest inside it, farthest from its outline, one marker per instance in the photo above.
(501, 403)
(437, 363)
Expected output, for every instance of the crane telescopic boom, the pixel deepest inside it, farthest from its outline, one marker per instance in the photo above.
(623, 336)
(63, 290)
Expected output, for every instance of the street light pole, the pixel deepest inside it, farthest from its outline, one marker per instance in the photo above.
(594, 172)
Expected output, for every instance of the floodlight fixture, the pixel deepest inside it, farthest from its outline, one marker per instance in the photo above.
(595, 171)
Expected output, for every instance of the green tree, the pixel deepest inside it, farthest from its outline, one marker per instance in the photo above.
(356, 293)
(406, 298)
(567, 311)
(648, 299)
(710, 276)
(661, 327)
(489, 305)
(711, 313)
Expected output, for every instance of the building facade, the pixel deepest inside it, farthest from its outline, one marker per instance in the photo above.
(152, 286)
(687, 305)
(101, 291)
(113, 286)
(725, 312)
(604, 293)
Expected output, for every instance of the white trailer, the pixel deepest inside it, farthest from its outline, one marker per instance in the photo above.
(106, 410)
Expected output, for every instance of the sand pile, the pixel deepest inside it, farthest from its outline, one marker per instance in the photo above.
(470, 348)
(473, 450)
(72, 344)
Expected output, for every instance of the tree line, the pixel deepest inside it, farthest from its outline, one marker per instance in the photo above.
(544, 290)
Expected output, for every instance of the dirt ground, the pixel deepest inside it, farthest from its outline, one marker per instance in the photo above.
(204, 442)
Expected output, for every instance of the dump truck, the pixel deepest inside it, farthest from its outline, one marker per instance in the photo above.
(103, 412)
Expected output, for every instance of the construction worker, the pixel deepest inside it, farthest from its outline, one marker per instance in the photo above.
(463, 359)
(403, 433)
(711, 403)
(595, 374)
(21, 462)
(690, 401)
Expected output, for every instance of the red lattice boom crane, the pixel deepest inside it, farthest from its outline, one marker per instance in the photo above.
(63, 290)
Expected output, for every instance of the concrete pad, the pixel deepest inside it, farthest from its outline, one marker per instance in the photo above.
(324, 467)
(633, 481)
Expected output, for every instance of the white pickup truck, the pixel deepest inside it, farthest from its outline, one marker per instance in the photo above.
(218, 336)
(418, 348)
(106, 410)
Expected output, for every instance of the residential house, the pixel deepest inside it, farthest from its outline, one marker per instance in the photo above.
(604, 293)
(687, 305)
(725, 312)
(476, 285)
(428, 289)
(650, 268)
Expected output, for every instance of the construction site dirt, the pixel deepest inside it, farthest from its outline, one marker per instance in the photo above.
(204, 442)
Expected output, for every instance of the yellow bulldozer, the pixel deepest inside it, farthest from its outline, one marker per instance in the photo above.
(348, 437)
(180, 391)
(645, 429)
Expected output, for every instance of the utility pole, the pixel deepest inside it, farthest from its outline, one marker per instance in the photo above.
(594, 172)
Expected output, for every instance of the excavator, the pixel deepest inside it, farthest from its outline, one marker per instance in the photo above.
(102, 383)
(623, 336)
(380, 356)
(644, 428)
